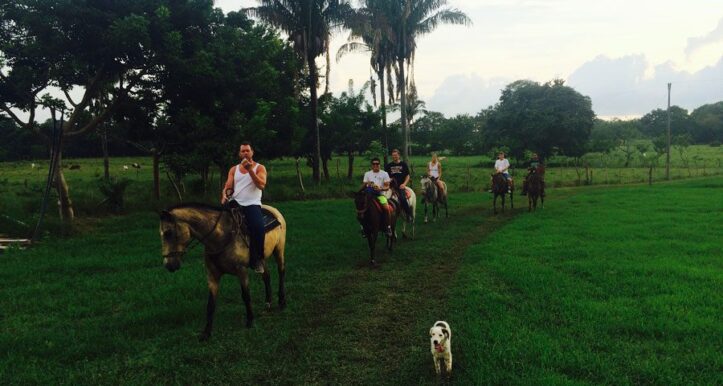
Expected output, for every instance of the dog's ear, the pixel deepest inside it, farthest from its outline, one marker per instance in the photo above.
(445, 332)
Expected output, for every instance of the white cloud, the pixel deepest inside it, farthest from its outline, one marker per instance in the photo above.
(696, 43)
(460, 94)
(619, 87)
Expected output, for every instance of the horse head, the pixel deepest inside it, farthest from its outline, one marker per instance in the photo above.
(361, 203)
(429, 189)
(175, 236)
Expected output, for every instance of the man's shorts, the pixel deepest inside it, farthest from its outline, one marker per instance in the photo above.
(507, 176)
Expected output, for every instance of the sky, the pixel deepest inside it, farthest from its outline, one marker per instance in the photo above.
(620, 53)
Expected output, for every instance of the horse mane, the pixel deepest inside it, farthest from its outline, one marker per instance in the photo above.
(195, 205)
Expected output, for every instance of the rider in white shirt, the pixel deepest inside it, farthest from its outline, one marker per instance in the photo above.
(376, 182)
(502, 165)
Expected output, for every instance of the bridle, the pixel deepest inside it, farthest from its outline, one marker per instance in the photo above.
(360, 212)
(190, 245)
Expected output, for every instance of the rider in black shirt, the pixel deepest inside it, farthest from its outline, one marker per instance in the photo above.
(399, 173)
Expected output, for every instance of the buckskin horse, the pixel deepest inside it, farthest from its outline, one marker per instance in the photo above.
(535, 190)
(431, 195)
(369, 215)
(500, 189)
(225, 252)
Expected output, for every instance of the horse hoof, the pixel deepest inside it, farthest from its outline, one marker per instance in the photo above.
(373, 263)
(204, 336)
(268, 306)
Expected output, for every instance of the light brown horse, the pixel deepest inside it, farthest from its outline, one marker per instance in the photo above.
(225, 252)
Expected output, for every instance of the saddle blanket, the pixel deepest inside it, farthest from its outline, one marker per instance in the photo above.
(270, 222)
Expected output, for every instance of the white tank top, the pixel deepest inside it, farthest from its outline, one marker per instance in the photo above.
(434, 170)
(245, 191)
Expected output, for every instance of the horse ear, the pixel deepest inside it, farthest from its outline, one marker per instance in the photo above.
(166, 216)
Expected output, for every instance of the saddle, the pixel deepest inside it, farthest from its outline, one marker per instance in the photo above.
(239, 221)
(391, 206)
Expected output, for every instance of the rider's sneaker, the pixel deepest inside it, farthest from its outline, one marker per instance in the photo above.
(389, 231)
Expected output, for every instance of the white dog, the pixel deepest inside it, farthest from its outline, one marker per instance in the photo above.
(441, 343)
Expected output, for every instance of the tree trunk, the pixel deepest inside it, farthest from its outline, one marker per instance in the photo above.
(350, 170)
(383, 106)
(65, 206)
(325, 164)
(298, 175)
(403, 103)
(156, 175)
(313, 76)
(104, 146)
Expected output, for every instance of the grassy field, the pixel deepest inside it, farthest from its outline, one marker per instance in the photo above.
(602, 286)
(21, 185)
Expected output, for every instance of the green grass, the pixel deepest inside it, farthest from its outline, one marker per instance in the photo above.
(610, 286)
(602, 286)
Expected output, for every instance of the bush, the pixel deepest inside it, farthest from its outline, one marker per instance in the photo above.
(113, 190)
(715, 144)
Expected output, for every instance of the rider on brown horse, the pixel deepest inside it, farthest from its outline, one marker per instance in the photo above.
(533, 166)
(502, 166)
(376, 182)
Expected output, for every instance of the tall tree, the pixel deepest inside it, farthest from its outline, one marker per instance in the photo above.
(543, 118)
(309, 25)
(410, 20)
(90, 46)
(371, 32)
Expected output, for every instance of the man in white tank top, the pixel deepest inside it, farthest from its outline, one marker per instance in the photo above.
(243, 189)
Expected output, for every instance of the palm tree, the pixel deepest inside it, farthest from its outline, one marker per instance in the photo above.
(308, 24)
(412, 19)
(371, 32)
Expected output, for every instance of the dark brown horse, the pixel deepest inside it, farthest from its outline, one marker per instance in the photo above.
(535, 190)
(500, 189)
(225, 252)
(370, 217)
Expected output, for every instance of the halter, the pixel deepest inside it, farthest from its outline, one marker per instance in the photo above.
(189, 246)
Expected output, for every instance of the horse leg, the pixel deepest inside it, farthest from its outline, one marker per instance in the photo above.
(372, 240)
(529, 201)
(494, 203)
(542, 200)
(213, 279)
(512, 198)
(267, 285)
(243, 277)
(425, 212)
(503, 202)
(280, 263)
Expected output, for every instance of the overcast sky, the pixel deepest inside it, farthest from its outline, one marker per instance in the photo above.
(620, 53)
